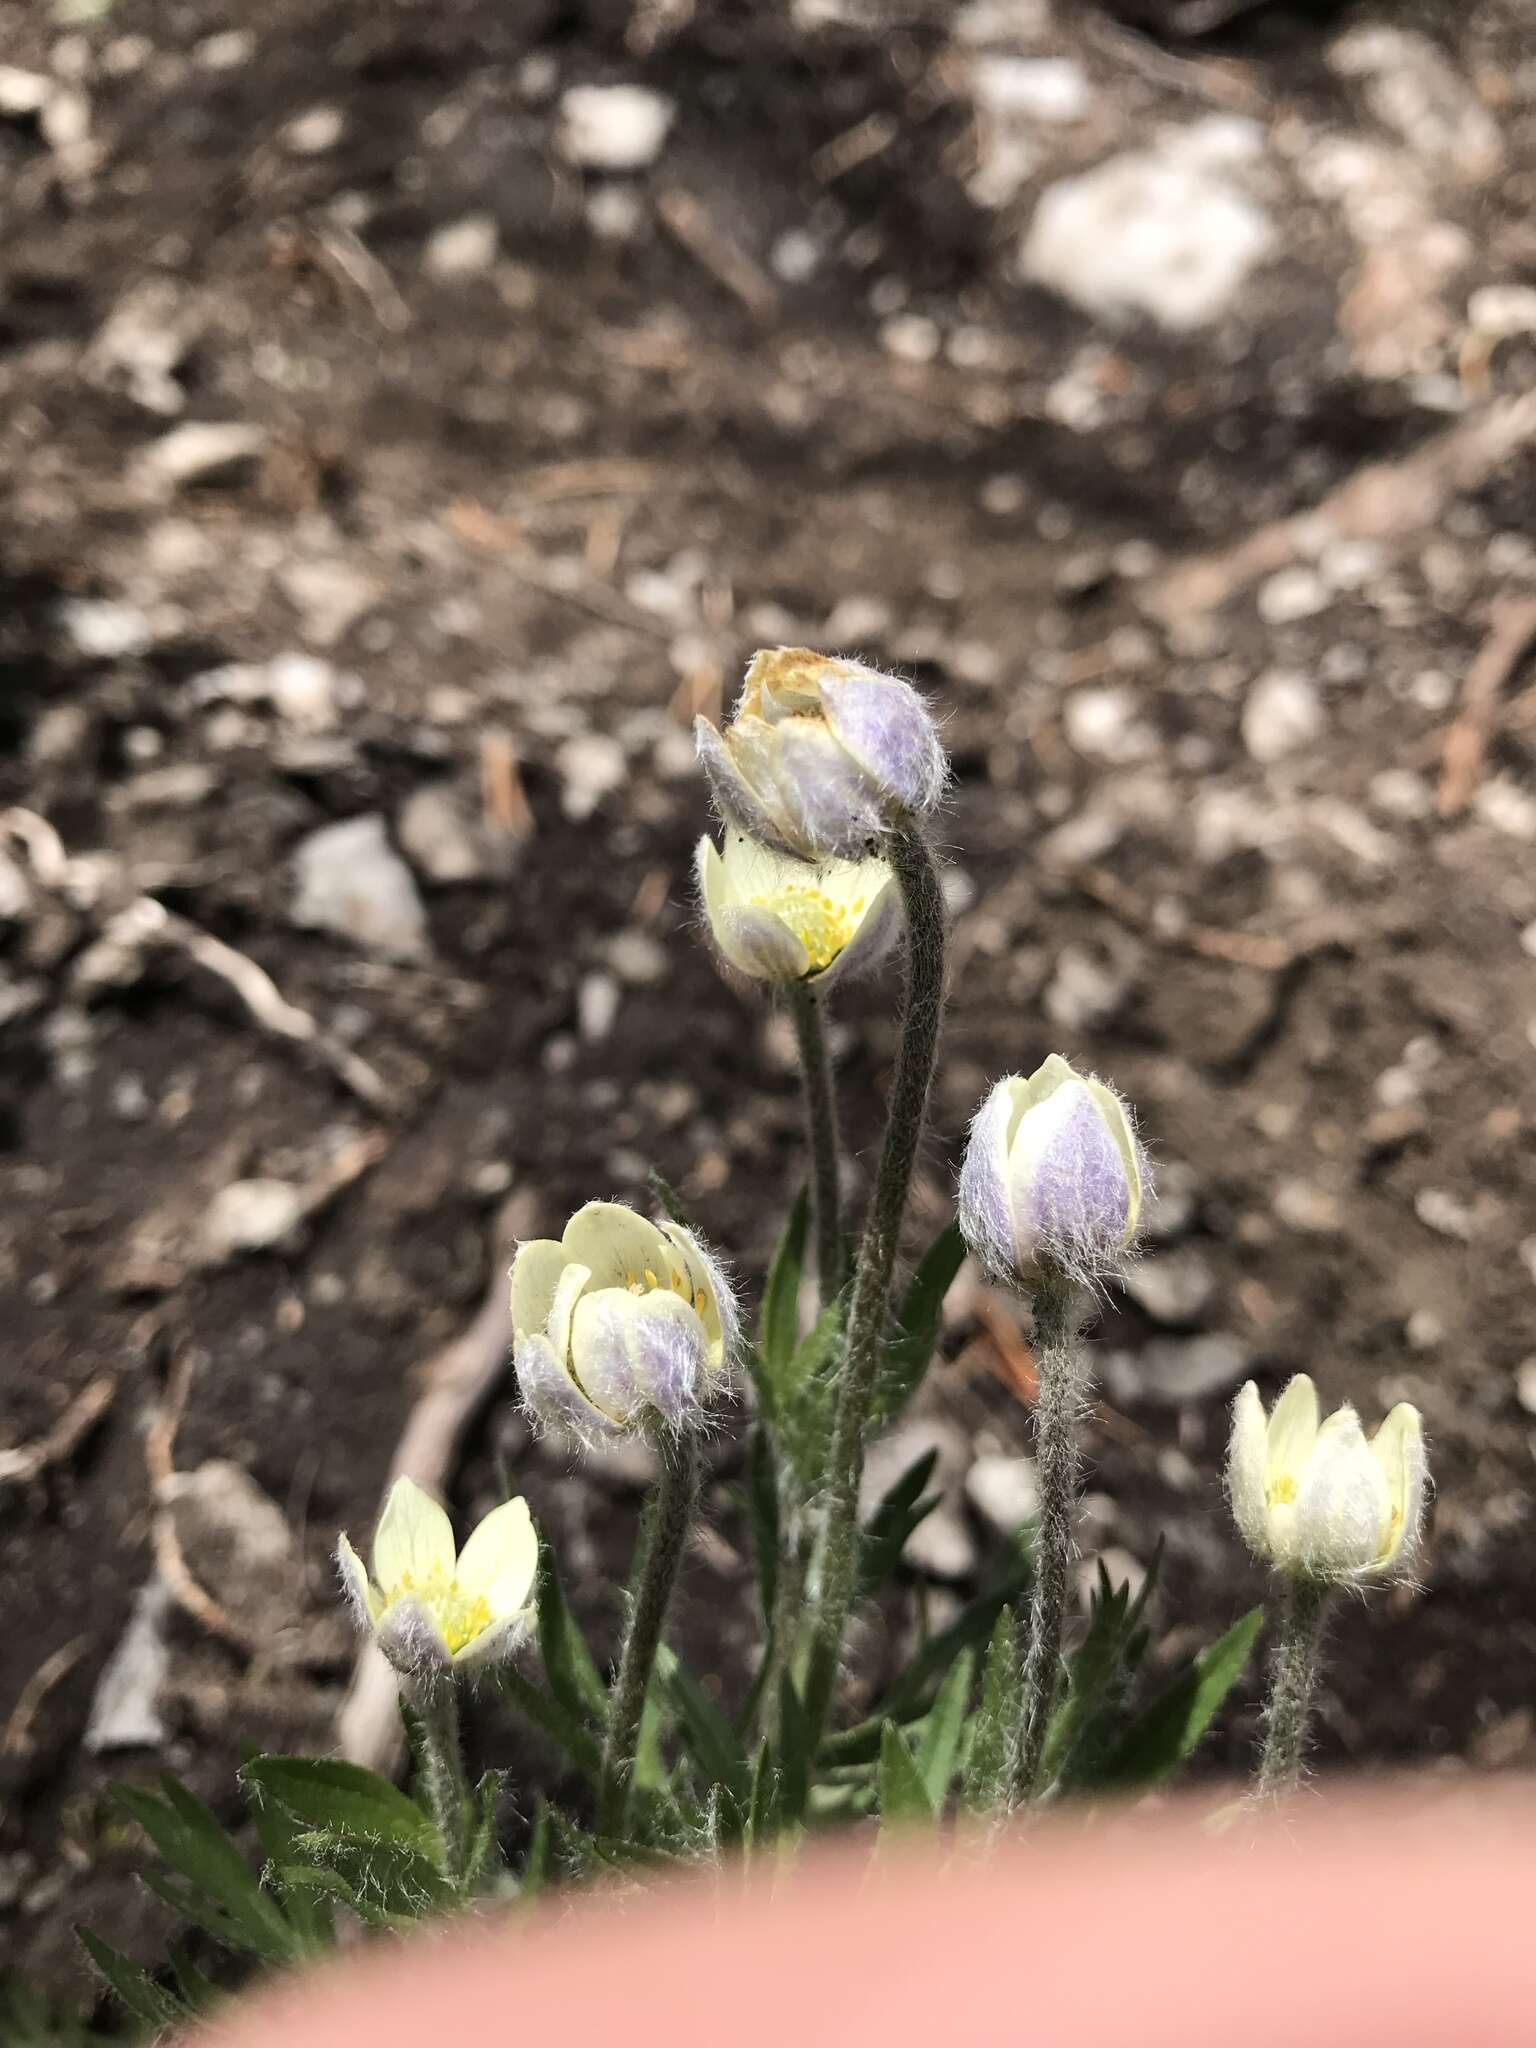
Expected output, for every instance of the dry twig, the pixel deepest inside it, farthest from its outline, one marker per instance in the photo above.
(1511, 631)
(689, 224)
(25, 1462)
(16, 1739)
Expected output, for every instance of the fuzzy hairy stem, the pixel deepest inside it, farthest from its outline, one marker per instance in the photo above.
(434, 1700)
(821, 1134)
(1063, 1379)
(917, 878)
(784, 1623)
(664, 1533)
(1294, 1667)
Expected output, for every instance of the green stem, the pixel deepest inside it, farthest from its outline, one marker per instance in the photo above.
(918, 881)
(664, 1532)
(1295, 1665)
(435, 1702)
(821, 1132)
(784, 1624)
(1062, 1383)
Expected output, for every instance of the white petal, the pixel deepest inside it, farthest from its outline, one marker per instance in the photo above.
(1245, 1468)
(600, 1356)
(616, 1243)
(1292, 1435)
(550, 1397)
(1398, 1447)
(363, 1595)
(495, 1644)
(536, 1273)
(501, 1560)
(1118, 1122)
(414, 1540)
(878, 928)
(667, 1351)
(1343, 1509)
(705, 1275)
(986, 1218)
(573, 1282)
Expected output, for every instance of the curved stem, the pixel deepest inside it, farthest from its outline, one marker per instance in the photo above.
(668, 1517)
(918, 881)
(821, 1133)
(1063, 1380)
(1295, 1665)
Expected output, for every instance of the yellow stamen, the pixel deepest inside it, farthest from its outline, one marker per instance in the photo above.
(458, 1618)
(823, 927)
(1282, 1491)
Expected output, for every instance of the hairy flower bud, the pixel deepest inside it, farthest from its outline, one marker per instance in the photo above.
(431, 1607)
(1319, 1500)
(822, 755)
(1052, 1176)
(620, 1324)
(776, 920)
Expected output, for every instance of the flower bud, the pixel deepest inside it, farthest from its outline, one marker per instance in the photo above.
(1321, 1501)
(776, 920)
(1052, 1177)
(432, 1608)
(621, 1324)
(822, 755)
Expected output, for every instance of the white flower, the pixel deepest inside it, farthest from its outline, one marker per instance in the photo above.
(1319, 1500)
(429, 1605)
(821, 755)
(620, 1323)
(1052, 1174)
(776, 919)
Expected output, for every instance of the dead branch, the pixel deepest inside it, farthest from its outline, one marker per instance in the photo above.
(27, 1461)
(16, 1739)
(1511, 631)
(690, 226)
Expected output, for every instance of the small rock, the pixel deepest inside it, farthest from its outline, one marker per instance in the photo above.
(350, 881)
(15, 890)
(23, 93)
(329, 597)
(251, 1216)
(1004, 1491)
(1102, 723)
(464, 248)
(1175, 1203)
(598, 999)
(613, 127)
(125, 1713)
(1147, 234)
(1525, 1384)
(1438, 1209)
(445, 835)
(638, 958)
(1053, 89)
(1424, 1330)
(1174, 1288)
(1283, 712)
(316, 131)
(1290, 594)
(236, 1539)
(201, 452)
(1172, 1372)
(591, 766)
(1087, 989)
(1414, 89)
(1503, 804)
(1300, 1205)
(103, 631)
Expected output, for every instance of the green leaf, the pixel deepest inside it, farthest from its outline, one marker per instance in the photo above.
(198, 1992)
(996, 1718)
(539, 1864)
(326, 1793)
(668, 1198)
(904, 1800)
(483, 1850)
(330, 1884)
(804, 1400)
(573, 1676)
(403, 1883)
(763, 1819)
(763, 1514)
(1088, 1723)
(781, 1296)
(884, 1536)
(939, 1751)
(546, 1713)
(278, 1833)
(910, 1345)
(193, 1843)
(794, 1755)
(1160, 1739)
(711, 1741)
(134, 1988)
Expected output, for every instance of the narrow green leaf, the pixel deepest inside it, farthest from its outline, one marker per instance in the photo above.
(1160, 1739)
(327, 1793)
(484, 1853)
(668, 1198)
(939, 1750)
(910, 1346)
(763, 1514)
(573, 1676)
(146, 2000)
(804, 1400)
(996, 1720)
(546, 1713)
(794, 1755)
(198, 1991)
(193, 1843)
(195, 1907)
(330, 1884)
(904, 1800)
(781, 1295)
(898, 1513)
(539, 1864)
(278, 1833)
(763, 1818)
(711, 1741)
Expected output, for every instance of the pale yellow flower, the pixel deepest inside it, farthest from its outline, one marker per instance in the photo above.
(430, 1604)
(1319, 1499)
(782, 920)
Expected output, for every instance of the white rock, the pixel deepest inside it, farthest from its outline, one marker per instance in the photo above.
(1413, 88)
(598, 1000)
(1500, 310)
(329, 596)
(1441, 1210)
(125, 1713)
(613, 127)
(1301, 1205)
(240, 1539)
(1147, 234)
(1399, 793)
(1172, 1372)
(941, 1546)
(16, 891)
(103, 631)
(350, 881)
(590, 766)
(1004, 1491)
(314, 132)
(251, 1216)
(639, 958)
(1503, 804)
(200, 451)
(303, 690)
(1101, 721)
(22, 93)
(464, 248)
(226, 50)
(1086, 990)
(1053, 89)
(1525, 1384)
(1296, 593)
(1174, 1288)
(448, 842)
(1282, 714)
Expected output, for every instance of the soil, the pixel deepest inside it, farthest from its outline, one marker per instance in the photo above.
(529, 514)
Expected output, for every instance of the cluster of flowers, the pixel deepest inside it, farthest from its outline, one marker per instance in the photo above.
(625, 1326)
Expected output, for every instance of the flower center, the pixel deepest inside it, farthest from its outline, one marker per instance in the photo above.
(459, 1619)
(823, 927)
(676, 1283)
(1282, 1491)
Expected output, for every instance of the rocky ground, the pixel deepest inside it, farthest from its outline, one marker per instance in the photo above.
(409, 417)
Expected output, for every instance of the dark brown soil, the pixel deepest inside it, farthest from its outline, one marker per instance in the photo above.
(564, 497)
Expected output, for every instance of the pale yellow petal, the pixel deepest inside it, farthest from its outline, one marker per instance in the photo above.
(500, 1561)
(536, 1273)
(414, 1540)
(572, 1284)
(1292, 1434)
(360, 1589)
(617, 1244)
(1398, 1447)
(1245, 1468)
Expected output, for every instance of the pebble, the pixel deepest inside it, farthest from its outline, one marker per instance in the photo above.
(1413, 88)
(350, 881)
(1282, 714)
(1121, 1568)
(1086, 990)
(1525, 1384)
(200, 452)
(316, 131)
(464, 248)
(1148, 234)
(240, 1544)
(1004, 1491)
(590, 766)
(598, 999)
(1503, 804)
(329, 597)
(15, 890)
(1301, 1205)
(125, 1712)
(103, 631)
(1173, 1288)
(1101, 722)
(613, 127)
(1171, 1372)
(1053, 89)
(1291, 594)
(251, 1216)
(1440, 1210)
(638, 958)
(1175, 1202)
(445, 836)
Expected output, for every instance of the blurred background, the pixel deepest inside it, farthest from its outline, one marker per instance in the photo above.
(412, 412)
